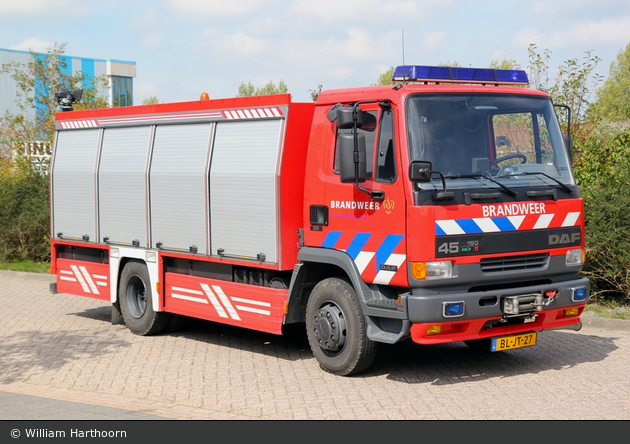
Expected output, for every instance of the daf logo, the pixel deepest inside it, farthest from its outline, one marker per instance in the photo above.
(557, 239)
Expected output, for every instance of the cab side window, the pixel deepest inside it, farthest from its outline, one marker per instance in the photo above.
(385, 170)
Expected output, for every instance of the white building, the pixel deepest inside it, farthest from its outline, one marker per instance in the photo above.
(120, 75)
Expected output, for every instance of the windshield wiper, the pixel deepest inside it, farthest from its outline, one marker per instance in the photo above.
(564, 186)
(474, 176)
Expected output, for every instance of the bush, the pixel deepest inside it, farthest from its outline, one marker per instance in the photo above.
(602, 169)
(607, 234)
(24, 213)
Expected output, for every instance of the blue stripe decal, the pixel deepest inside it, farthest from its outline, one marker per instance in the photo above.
(439, 231)
(386, 249)
(331, 239)
(503, 223)
(357, 244)
(469, 226)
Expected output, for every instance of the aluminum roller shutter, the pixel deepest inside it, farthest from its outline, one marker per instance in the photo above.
(122, 185)
(179, 186)
(73, 184)
(243, 202)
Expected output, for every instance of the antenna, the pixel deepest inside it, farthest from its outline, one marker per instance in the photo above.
(403, 46)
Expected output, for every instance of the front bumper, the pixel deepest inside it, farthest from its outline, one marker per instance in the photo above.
(485, 315)
(478, 328)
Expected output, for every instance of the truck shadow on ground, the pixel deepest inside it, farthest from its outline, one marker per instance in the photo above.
(406, 362)
(447, 364)
(292, 345)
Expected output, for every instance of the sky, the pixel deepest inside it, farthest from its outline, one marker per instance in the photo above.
(185, 47)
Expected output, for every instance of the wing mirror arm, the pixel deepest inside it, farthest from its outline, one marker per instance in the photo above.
(421, 171)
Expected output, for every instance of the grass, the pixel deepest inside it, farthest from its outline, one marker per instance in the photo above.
(27, 266)
(605, 311)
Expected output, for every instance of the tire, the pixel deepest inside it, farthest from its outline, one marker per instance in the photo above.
(336, 329)
(135, 297)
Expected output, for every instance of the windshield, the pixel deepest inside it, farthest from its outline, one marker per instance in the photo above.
(513, 139)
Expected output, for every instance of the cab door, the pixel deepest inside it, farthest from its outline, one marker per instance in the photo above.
(371, 231)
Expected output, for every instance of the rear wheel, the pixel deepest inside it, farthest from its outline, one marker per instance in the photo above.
(136, 297)
(336, 329)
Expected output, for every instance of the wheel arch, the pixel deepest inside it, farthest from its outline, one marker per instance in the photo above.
(117, 266)
(316, 264)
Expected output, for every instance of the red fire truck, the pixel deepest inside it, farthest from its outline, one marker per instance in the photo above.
(441, 208)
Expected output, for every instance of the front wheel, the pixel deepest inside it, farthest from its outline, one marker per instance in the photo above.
(336, 329)
(135, 296)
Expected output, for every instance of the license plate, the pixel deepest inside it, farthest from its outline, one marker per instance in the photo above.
(510, 342)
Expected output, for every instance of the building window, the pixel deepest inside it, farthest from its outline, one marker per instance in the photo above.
(122, 91)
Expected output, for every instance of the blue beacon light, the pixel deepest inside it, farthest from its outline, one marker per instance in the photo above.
(438, 74)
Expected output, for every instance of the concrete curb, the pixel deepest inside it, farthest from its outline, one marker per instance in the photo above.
(30, 276)
(592, 320)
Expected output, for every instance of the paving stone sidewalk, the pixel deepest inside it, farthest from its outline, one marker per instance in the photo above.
(61, 358)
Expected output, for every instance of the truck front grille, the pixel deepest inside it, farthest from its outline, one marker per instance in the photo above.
(514, 263)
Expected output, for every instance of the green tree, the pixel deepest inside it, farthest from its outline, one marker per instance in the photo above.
(385, 78)
(504, 64)
(613, 98)
(247, 89)
(315, 92)
(153, 100)
(573, 84)
(24, 194)
(37, 82)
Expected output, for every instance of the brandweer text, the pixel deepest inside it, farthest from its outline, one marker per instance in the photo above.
(513, 209)
(354, 205)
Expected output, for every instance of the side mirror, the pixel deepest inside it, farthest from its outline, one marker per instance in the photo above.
(503, 140)
(345, 148)
(420, 171)
(346, 116)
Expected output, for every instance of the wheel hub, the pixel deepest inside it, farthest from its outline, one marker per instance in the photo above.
(330, 327)
(137, 297)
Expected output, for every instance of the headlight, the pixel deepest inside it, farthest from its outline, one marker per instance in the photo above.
(575, 257)
(431, 270)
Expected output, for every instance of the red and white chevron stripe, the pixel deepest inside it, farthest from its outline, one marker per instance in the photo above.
(252, 113)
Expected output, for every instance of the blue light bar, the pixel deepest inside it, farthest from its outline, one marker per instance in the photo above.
(437, 74)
